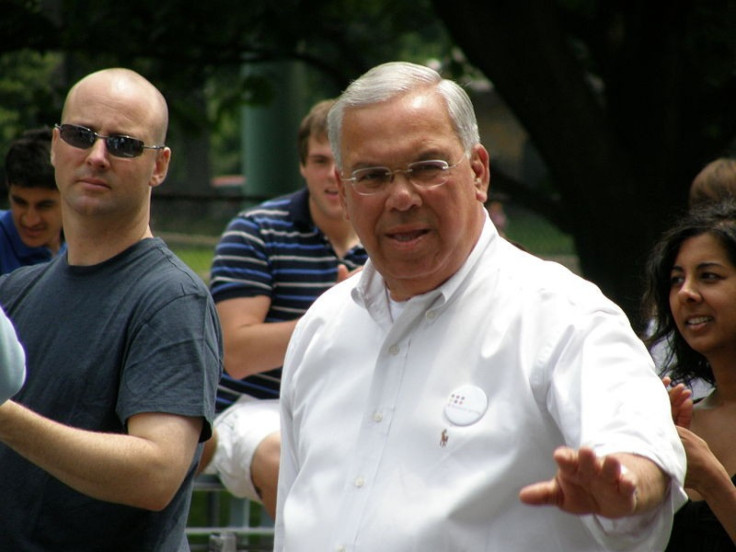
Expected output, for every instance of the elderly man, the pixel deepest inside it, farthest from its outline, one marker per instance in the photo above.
(99, 448)
(428, 402)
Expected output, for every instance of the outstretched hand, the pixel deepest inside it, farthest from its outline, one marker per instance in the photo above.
(586, 484)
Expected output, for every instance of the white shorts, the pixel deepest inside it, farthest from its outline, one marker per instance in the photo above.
(240, 429)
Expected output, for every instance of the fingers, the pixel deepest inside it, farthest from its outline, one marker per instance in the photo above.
(541, 494)
(680, 393)
(584, 466)
(682, 405)
(583, 462)
(611, 469)
(681, 402)
(586, 484)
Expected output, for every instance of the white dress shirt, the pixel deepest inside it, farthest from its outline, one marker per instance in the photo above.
(416, 434)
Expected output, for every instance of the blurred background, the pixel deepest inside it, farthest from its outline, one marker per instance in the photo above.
(597, 114)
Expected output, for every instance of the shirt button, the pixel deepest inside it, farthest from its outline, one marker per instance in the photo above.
(377, 417)
(394, 350)
(431, 315)
(340, 549)
(359, 482)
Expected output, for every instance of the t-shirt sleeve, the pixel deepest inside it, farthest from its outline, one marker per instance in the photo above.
(174, 362)
(12, 360)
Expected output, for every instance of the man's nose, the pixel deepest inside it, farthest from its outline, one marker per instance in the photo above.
(402, 193)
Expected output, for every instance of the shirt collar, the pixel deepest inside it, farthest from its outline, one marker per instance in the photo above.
(299, 208)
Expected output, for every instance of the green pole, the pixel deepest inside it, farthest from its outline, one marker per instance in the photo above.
(270, 159)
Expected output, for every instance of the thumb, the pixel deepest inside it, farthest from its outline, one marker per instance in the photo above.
(342, 272)
(540, 494)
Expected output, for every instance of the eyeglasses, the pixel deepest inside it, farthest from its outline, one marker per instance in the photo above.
(119, 145)
(424, 174)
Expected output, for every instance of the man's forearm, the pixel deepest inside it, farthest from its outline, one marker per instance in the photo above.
(120, 468)
(256, 348)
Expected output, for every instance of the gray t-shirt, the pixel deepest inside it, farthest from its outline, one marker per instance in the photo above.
(137, 333)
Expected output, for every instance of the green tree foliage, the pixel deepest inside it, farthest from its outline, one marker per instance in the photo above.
(341, 38)
(195, 51)
(625, 102)
(25, 82)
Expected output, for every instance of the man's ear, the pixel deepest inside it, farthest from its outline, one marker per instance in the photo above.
(480, 165)
(161, 167)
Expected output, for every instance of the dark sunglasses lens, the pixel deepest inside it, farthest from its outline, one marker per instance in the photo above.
(124, 146)
(79, 137)
(84, 138)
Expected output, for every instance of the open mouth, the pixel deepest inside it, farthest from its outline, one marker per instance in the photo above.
(698, 321)
(407, 236)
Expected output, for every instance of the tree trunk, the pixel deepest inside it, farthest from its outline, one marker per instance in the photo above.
(621, 165)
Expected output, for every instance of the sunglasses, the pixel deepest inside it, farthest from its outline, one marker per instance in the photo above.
(119, 146)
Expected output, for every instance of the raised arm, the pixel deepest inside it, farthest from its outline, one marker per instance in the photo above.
(707, 477)
(143, 468)
(613, 486)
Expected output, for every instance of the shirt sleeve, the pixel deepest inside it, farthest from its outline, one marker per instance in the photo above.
(175, 362)
(604, 393)
(12, 360)
(240, 267)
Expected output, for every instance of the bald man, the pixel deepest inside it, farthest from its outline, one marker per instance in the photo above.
(99, 448)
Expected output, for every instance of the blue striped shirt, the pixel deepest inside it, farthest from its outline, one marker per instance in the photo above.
(275, 250)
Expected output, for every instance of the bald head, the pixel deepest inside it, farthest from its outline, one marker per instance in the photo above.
(126, 87)
(100, 189)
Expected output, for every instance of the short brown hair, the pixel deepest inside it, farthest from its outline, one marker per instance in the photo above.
(717, 181)
(313, 124)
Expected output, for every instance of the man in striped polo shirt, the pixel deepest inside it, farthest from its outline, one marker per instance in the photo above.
(271, 263)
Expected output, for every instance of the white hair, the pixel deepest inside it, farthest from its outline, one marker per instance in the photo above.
(389, 80)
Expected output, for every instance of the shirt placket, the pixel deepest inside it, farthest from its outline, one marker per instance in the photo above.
(374, 434)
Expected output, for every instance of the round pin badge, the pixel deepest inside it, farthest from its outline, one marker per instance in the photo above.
(466, 405)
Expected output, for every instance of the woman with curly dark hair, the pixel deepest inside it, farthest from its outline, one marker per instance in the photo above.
(692, 297)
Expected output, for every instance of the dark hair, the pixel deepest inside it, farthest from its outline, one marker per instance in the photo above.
(313, 124)
(28, 161)
(684, 364)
